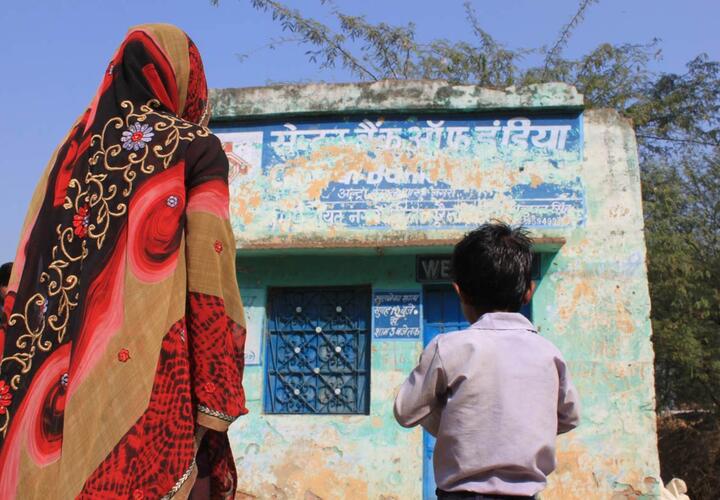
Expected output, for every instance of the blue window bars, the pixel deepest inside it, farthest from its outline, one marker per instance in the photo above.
(318, 351)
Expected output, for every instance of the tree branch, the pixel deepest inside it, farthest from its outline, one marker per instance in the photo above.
(565, 33)
(314, 33)
(671, 139)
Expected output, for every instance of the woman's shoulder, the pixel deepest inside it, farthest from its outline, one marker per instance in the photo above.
(205, 155)
(181, 130)
(205, 144)
(196, 145)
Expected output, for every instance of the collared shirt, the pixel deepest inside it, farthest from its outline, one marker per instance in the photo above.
(495, 396)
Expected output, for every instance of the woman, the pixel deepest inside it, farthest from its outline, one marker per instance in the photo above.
(122, 354)
(5, 271)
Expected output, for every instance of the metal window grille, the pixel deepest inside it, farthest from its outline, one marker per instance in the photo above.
(318, 351)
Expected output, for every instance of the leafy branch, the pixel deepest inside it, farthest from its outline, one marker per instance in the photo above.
(554, 53)
(329, 46)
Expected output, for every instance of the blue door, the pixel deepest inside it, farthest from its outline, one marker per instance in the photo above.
(441, 313)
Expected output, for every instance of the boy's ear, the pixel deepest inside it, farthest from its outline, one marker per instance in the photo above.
(530, 292)
(459, 292)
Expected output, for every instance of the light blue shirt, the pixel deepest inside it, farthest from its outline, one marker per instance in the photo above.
(495, 396)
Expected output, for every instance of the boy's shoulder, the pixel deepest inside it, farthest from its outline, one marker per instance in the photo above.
(456, 339)
(472, 335)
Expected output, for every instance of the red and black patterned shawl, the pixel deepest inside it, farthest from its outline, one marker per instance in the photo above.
(125, 275)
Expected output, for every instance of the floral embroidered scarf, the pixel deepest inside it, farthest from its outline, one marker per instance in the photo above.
(121, 352)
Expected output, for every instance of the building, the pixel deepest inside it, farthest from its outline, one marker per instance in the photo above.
(345, 203)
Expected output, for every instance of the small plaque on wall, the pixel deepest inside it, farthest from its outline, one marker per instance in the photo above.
(396, 315)
(438, 268)
(433, 269)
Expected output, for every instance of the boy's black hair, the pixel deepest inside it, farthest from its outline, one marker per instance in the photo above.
(492, 266)
(5, 271)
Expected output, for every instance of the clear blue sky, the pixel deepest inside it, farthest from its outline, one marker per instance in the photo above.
(54, 52)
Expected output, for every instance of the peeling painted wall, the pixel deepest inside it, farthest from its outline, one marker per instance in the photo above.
(326, 456)
(592, 301)
(357, 178)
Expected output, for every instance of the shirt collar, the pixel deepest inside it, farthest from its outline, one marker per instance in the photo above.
(503, 321)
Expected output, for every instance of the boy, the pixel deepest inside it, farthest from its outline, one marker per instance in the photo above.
(494, 395)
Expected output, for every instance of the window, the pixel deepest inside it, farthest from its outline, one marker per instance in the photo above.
(318, 351)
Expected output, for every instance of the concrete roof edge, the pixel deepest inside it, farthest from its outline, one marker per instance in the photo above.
(540, 244)
(231, 104)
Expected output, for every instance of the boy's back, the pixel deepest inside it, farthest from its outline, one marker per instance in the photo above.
(495, 396)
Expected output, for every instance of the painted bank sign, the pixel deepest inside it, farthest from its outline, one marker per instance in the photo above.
(405, 173)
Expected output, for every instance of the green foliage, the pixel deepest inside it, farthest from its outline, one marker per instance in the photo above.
(677, 121)
(375, 51)
(610, 76)
(682, 207)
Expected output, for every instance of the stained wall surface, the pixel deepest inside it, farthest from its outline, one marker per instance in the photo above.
(346, 185)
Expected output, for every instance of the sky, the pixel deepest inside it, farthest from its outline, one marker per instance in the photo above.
(54, 53)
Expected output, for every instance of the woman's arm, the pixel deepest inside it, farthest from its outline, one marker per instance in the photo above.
(215, 320)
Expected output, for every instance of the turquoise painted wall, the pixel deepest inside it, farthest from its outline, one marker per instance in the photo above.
(379, 458)
(300, 453)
